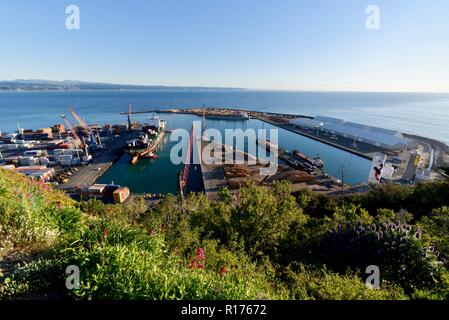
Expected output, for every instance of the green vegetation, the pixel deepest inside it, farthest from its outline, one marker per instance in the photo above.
(270, 245)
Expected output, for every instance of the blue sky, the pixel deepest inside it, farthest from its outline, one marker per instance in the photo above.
(264, 44)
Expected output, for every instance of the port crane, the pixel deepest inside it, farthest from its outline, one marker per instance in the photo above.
(84, 125)
(129, 117)
(72, 130)
(80, 121)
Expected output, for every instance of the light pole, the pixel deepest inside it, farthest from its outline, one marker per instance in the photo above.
(342, 181)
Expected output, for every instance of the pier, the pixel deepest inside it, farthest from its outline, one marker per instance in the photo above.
(213, 176)
(365, 155)
(218, 175)
(87, 175)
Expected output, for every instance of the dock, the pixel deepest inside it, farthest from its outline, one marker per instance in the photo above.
(87, 175)
(213, 179)
(368, 156)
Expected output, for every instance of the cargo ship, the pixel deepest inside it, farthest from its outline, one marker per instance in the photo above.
(150, 138)
(316, 162)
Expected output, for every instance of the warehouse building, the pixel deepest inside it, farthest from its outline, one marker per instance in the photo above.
(388, 139)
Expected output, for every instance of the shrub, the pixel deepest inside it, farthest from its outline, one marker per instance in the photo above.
(128, 272)
(436, 226)
(264, 217)
(313, 284)
(394, 247)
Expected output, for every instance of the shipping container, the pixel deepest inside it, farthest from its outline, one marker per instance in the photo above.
(121, 194)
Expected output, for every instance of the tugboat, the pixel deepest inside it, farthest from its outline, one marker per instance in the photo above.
(151, 136)
(317, 162)
(151, 155)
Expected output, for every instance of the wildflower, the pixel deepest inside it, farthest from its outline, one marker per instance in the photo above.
(202, 266)
(200, 254)
(105, 232)
(223, 270)
(194, 264)
(151, 232)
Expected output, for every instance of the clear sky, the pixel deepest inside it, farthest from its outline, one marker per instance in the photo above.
(262, 44)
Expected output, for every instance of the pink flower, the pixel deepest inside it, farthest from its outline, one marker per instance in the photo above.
(202, 266)
(194, 264)
(200, 254)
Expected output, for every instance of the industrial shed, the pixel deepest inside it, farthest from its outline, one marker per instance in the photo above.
(385, 138)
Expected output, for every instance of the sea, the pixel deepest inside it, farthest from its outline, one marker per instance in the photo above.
(425, 114)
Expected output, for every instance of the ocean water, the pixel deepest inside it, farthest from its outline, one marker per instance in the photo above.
(418, 113)
(422, 114)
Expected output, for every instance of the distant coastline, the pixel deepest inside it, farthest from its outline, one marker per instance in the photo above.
(68, 85)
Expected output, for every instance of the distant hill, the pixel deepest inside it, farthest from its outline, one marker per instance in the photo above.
(69, 85)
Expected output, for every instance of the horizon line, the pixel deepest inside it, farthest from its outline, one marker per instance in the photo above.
(209, 87)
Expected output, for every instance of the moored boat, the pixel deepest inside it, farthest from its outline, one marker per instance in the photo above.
(317, 162)
(151, 136)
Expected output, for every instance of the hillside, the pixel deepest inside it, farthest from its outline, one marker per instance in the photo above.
(68, 85)
(272, 245)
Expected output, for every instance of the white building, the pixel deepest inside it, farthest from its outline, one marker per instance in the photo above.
(388, 139)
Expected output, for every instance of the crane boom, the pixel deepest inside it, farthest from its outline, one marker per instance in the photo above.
(80, 121)
(75, 135)
(83, 124)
